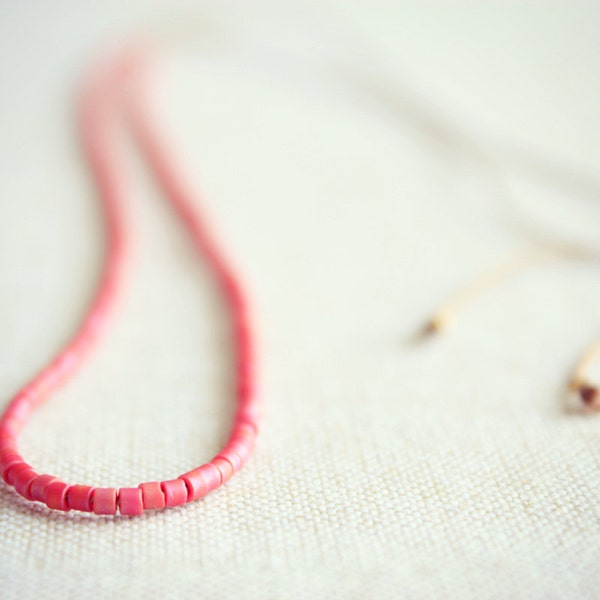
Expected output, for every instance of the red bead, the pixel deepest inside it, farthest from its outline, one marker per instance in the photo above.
(130, 501)
(7, 441)
(38, 487)
(80, 497)
(152, 495)
(224, 466)
(175, 492)
(202, 480)
(13, 470)
(104, 501)
(23, 480)
(7, 447)
(56, 495)
(8, 461)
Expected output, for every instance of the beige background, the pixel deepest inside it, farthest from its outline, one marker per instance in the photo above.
(360, 161)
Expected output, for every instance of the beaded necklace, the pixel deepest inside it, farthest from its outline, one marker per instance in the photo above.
(104, 101)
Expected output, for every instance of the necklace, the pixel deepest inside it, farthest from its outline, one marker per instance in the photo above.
(105, 100)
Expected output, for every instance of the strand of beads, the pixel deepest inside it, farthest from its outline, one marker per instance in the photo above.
(103, 103)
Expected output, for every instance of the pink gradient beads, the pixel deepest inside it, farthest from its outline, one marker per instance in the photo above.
(106, 98)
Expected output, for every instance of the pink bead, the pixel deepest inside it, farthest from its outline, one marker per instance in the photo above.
(13, 470)
(202, 480)
(245, 389)
(104, 501)
(6, 430)
(175, 492)
(247, 434)
(232, 458)
(38, 488)
(244, 445)
(8, 446)
(244, 429)
(8, 454)
(224, 466)
(17, 413)
(23, 481)
(56, 495)
(8, 461)
(7, 441)
(236, 451)
(65, 362)
(152, 495)
(80, 497)
(248, 414)
(241, 446)
(14, 424)
(130, 501)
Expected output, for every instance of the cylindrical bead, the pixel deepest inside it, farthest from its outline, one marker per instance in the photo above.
(244, 429)
(242, 447)
(17, 411)
(7, 441)
(130, 501)
(56, 495)
(224, 466)
(104, 501)
(38, 487)
(248, 414)
(152, 495)
(12, 471)
(80, 497)
(245, 389)
(232, 458)
(8, 461)
(202, 480)
(8, 446)
(23, 480)
(6, 431)
(175, 492)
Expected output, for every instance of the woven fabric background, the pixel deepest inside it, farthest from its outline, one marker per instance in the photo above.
(360, 162)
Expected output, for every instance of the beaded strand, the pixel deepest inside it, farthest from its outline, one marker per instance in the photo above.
(103, 103)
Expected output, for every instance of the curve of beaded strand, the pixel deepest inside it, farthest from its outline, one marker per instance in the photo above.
(105, 99)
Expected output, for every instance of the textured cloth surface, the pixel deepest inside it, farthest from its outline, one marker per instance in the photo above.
(360, 162)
